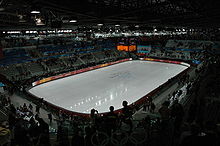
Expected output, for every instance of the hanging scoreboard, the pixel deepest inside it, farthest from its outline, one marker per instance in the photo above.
(127, 44)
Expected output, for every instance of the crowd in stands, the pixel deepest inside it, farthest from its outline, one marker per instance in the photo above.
(25, 127)
(62, 64)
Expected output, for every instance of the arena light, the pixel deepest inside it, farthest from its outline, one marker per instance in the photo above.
(35, 12)
(100, 24)
(117, 25)
(73, 21)
(13, 32)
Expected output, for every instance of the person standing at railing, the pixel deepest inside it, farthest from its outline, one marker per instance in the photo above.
(50, 117)
(152, 107)
(111, 120)
(126, 115)
(94, 117)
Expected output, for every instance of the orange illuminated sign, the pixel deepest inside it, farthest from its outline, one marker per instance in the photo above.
(126, 48)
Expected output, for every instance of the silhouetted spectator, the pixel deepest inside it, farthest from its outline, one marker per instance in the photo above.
(165, 111)
(144, 107)
(11, 120)
(12, 109)
(50, 117)
(152, 107)
(165, 115)
(147, 104)
(192, 112)
(78, 139)
(126, 115)
(25, 109)
(20, 134)
(177, 113)
(111, 120)
(94, 116)
(44, 139)
(37, 109)
(89, 131)
(63, 139)
(30, 107)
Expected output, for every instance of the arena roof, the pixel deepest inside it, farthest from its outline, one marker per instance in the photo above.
(57, 13)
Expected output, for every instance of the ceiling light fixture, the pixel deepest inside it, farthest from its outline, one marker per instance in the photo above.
(100, 24)
(35, 12)
(73, 21)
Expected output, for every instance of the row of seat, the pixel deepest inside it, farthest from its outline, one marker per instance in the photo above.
(39, 67)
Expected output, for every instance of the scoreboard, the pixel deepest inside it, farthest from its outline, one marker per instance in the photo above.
(126, 48)
(127, 44)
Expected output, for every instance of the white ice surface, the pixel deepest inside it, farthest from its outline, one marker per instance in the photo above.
(107, 86)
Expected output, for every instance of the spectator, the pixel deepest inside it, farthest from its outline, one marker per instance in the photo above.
(30, 107)
(12, 109)
(89, 132)
(64, 136)
(5, 134)
(78, 139)
(192, 112)
(126, 115)
(145, 107)
(94, 117)
(111, 120)
(37, 109)
(50, 117)
(165, 111)
(44, 139)
(165, 115)
(152, 107)
(177, 113)
(21, 134)
(147, 104)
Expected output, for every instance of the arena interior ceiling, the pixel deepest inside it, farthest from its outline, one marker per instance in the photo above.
(144, 13)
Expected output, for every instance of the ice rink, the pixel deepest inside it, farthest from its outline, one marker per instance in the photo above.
(107, 86)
